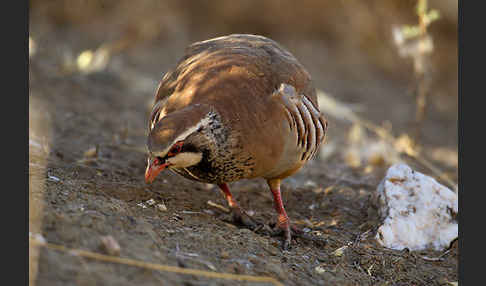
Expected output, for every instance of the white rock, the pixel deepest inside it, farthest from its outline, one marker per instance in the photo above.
(417, 212)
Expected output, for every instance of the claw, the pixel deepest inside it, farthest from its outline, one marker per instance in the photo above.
(287, 231)
(241, 217)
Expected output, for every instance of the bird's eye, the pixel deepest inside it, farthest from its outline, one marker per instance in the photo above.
(176, 149)
(157, 161)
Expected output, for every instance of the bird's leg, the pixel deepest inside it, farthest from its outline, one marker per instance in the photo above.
(239, 215)
(283, 222)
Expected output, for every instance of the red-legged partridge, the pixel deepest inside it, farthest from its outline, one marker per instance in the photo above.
(236, 107)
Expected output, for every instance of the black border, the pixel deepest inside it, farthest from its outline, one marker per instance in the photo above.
(460, 36)
(23, 97)
(460, 67)
(15, 119)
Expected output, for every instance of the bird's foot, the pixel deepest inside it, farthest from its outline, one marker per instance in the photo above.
(240, 217)
(287, 231)
(290, 232)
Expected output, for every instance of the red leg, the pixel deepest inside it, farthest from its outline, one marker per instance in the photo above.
(227, 194)
(238, 214)
(283, 220)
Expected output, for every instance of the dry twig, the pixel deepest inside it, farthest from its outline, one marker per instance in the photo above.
(334, 107)
(218, 206)
(416, 43)
(154, 266)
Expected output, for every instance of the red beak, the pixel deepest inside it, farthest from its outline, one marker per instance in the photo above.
(153, 169)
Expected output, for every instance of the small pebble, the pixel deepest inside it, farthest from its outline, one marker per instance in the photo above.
(224, 254)
(110, 245)
(54, 178)
(273, 250)
(161, 207)
(32, 47)
(208, 186)
(245, 231)
(91, 152)
(38, 237)
(310, 183)
(150, 202)
(210, 212)
(319, 269)
(340, 251)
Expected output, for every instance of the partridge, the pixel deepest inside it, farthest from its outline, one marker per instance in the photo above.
(236, 107)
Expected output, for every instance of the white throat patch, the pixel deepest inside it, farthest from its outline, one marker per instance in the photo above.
(184, 159)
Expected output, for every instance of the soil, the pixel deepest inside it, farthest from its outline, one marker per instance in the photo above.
(77, 197)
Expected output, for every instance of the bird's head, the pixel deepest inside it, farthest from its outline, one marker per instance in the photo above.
(177, 140)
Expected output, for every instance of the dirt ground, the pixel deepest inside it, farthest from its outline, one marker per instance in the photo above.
(78, 197)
